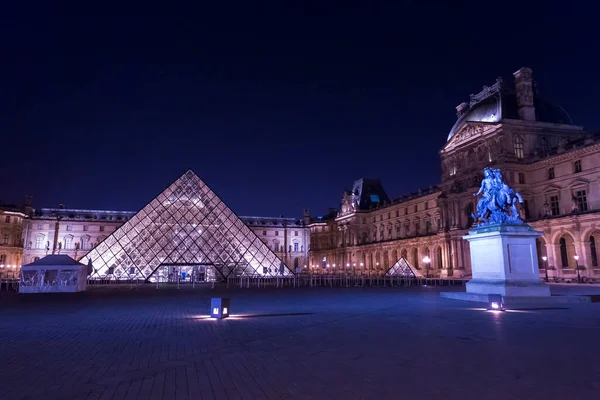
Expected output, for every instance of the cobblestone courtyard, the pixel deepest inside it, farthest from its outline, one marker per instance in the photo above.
(355, 343)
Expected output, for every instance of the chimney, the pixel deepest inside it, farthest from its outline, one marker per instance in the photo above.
(524, 88)
(306, 216)
(461, 108)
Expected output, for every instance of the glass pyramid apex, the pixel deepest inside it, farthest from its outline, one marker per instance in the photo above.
(187, 224)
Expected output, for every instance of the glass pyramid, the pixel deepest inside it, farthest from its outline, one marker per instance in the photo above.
(403, 268)
(186, 225)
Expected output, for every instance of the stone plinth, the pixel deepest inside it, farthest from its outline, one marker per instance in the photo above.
(504, 261)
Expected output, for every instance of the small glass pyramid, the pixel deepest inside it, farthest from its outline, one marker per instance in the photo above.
(187, 225)
(402, 268)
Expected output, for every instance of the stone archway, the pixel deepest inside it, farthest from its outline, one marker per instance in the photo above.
(439, 262)
(566, 252)
(592, 248)
(415, 257)
(540, 244)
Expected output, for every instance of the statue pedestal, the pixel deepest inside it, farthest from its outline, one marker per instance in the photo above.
(504, 261)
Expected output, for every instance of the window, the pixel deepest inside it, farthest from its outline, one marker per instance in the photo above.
(364, 220)
(85, 228)
(264, 233)
(39, 242)
(295, 233)
(5, 239)
(69, 227)
(40, 226)
(101, 228)
(8, 219)
(276, 246)
(581, 198)
(518, 147)
(295, 246)
(276, 233)
(577, 166)
(68, 242)
(593, 251)
(521, 178)
(564, 258)
(554, 205)
(389, 215)
(85, 242)
(544, 147)
(2, 259)
(397, 213)
(398, 230)
(551, 173)
(427, 205)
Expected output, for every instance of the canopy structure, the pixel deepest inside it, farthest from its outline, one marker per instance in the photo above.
(185, 227)
(53, 274)
(403, 268)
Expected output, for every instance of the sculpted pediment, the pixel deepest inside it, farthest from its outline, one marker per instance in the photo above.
(579, 183)
(551, 188)
(470, 131)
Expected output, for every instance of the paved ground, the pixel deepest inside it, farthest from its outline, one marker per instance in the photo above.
(340, 343)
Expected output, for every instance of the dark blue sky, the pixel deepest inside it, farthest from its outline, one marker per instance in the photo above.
(276, 107)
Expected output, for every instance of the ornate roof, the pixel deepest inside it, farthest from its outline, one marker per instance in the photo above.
(499, 101)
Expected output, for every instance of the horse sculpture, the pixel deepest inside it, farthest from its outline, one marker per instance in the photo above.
(499, 202)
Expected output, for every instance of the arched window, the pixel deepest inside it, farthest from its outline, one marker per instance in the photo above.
(564, 258)
(518, 147)
(296, 263)
(593, 251)
(2, 259)
(416, 257)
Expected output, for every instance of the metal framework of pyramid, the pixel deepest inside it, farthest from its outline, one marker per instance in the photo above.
(186, 225)
(403, 268)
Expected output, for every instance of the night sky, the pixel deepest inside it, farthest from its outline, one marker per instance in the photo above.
(276, 107)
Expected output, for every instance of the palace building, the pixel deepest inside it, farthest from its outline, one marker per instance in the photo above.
(186, 229)
(553, 163)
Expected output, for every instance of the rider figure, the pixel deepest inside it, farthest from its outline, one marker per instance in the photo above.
(487, 186)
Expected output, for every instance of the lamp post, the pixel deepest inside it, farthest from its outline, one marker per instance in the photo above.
(427, 260)
(576, 257)
(545, 266)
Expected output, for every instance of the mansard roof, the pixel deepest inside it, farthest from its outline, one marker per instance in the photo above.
(499, 101)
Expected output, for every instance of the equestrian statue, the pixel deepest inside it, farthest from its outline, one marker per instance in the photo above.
(498, 205)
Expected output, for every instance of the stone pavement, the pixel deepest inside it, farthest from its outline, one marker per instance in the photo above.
(319, 343)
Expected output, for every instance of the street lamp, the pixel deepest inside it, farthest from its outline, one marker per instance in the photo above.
(545, 266)
(427, 260)
(576, 257)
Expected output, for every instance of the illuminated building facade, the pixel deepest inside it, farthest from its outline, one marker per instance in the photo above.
(133, 245)
(11, 239)
(553, 163)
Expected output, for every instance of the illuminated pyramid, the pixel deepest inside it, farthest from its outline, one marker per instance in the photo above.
(187, 225)
(403, 268)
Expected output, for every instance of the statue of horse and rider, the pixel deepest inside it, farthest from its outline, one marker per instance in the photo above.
(499, 202)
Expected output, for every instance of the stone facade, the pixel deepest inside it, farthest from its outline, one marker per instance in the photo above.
(75, 232)
(11, 240)
(554, 164)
